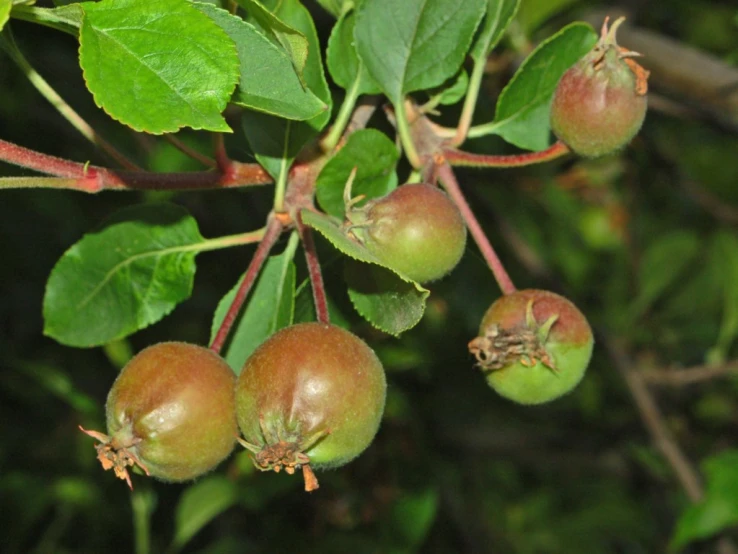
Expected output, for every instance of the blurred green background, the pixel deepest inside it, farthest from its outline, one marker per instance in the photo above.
(643, 242)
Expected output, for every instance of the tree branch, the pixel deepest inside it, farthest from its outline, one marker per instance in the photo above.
(93, 179)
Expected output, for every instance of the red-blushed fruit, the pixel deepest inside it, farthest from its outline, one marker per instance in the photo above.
(171, 411)
(533, 346)
(416, 229)
(310, 396)
(600, 103)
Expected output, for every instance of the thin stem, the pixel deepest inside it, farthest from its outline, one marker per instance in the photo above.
(46, 16)
(447, 177)
(690, 375)
(281, 184)
(191, 152)
(654, 422)
(222, 161)
(470, 102)
(460, 158)
(231, 240)
(142, 504)
(403, 127)
(330, 141)
(93, 179)
(273, 229)
(316, 276)
(45, 89)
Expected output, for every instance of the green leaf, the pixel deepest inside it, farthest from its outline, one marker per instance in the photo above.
(375, 157)
(415, 44)
(292, 40)
(412, 516)
(719, 509)
(123, 277)
(343, 62)
(389, 301)
(534, 12)
(452, 90)
(4, 12)
(723, 254)
(662, 264)
(268, 80)
(522, 115)
(67, 18)
(270, 307)
(337, 7)
(390, 304)
(294, 14)
(499, 15)
(200, 504)
(159, 65)
(275, 141)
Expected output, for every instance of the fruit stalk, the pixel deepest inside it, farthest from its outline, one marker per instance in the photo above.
(274, 228)
(316, 276)
(448, 179)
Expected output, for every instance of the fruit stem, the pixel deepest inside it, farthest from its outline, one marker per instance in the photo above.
(448, 179)
(273, 229)
(189, 151)
(461, 158)
(470, 102)
(330, 141)
(403, 127)
(141, 505)
(93, 179)
(316, 276)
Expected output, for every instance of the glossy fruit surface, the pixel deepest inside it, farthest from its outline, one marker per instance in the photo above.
(416, 229)
(533, 346)
(171, 411)
(600, 103)
(312, 395)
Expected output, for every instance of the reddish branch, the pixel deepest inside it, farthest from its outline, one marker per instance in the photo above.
(93, 179)
(447, 177)
(316, 276)
(460, 158)
(274, 228)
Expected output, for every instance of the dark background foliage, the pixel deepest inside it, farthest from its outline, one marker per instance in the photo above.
(644, 242)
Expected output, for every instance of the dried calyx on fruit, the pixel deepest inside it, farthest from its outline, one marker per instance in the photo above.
(416, 230)
(311, 396)
(533, 346)
(600, 103)
(171, 412)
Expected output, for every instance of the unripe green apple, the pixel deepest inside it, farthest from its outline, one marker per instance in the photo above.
(600, 103)
(310, 397)
(171, 411)
(416, 229)
(533, 346)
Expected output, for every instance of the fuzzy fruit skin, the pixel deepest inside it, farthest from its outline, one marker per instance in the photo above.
(600, 103)
(177, 398)
(416, 229)
(569, 344)
(307, 379)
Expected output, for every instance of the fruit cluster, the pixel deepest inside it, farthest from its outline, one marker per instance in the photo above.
(310, 396)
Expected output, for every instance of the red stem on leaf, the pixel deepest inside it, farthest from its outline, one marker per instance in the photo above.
(189, 151)
(93, 179)
(461, 158)
(274, 228)
(316, 276)
(448, 179)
